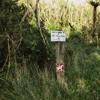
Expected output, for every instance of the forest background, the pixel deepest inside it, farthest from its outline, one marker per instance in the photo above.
(27, 56)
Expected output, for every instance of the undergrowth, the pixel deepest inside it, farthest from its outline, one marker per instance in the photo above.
(82, 79)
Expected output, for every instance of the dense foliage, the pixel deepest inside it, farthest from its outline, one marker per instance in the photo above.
(27, 56)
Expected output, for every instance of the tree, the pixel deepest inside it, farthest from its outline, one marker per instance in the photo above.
(95, 4)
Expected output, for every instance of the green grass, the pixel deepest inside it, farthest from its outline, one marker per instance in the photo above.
(81, 80)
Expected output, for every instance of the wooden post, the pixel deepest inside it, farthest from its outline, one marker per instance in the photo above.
(60, 61)
(59, 38)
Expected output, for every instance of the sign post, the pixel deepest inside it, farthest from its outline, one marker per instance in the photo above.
(59, 37)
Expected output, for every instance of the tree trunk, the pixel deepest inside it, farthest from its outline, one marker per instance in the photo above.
(94, 19)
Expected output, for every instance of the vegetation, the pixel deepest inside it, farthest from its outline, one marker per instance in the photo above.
(27, 56)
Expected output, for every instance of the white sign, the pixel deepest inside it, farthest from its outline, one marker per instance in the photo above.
(58, 36)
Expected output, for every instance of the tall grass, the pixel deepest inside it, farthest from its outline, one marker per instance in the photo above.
(81, 80)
